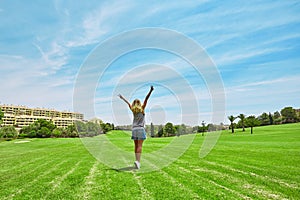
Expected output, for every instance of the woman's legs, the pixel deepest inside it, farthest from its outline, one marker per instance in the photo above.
(138, 144)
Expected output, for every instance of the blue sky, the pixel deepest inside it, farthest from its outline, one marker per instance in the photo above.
(255, 46)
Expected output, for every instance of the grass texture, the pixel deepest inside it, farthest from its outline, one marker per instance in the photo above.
(264, 165)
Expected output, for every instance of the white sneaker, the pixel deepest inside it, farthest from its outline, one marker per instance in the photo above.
(137, 164)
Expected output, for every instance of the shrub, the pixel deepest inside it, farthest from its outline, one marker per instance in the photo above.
(8, 132)
(32, 134)
(57, 132)
(23, 135)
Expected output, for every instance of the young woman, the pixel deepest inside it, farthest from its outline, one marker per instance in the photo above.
(138, 125)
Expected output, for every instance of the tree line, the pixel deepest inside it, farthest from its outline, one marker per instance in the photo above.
(46, 129)
(286, 115)
(169, 129)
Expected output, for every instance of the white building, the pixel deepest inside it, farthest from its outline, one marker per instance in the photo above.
(20, 116)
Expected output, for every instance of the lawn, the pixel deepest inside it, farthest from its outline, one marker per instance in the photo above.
(264, 165)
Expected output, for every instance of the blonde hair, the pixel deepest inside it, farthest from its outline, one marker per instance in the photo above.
(136, 106)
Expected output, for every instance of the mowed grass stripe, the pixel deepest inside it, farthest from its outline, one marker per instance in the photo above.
(52, 164)
(162, 185)
(72, 182)
(11, 164)
(21, 177)
(236, 176)
(113, 184)
(172, 182)
(262, 173)
(25, 186)
(21, 169)
(221, 184)
(164, 179)
(69, 179)
(273, 182)
(232, 181)
(145, 194)
(56, 183)
(266, 168)
(21, 162)
(258, 178)
(89, 182)
(103, 184)
(52, 182)
(261, 191)
(237, 180)
(199, 185)
(58, 180)
(220, 190)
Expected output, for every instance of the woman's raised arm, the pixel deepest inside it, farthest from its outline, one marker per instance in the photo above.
(147, 97)
(121, 97)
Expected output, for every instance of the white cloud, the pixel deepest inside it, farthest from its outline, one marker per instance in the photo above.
(263, 96)
(254, 85)
(234, 56)
(28, 82)
(98, 22)
(53, 59)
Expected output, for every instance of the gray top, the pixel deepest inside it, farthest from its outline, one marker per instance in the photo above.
(138, 120)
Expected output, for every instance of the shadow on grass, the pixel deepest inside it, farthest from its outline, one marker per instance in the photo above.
(125, 169)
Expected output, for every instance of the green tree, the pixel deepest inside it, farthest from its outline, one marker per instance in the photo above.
(264, 119)
(277, 117)
(152, 130)
(271, 121)
(93, 128)
(106, 127)
(44, 132)
(81, 127)
(32, 133)
(180, 129)
(71, 131)
(251, 122)
(231, 119)
(203, 127)
(211, 127)
(298, 114)
(8, 132)
(242, 120)
(160, 131)
(169, 129)
(112, 126)
(44, 123)
(195, 129)
(40, 128)
(288, 115)
(57, 132)
(1, 116)
(29, 131)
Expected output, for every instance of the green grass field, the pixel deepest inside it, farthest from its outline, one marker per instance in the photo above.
(265, 165)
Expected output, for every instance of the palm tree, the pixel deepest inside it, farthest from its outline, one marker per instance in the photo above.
(231, 119)
(242, 118)
(252, 121)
